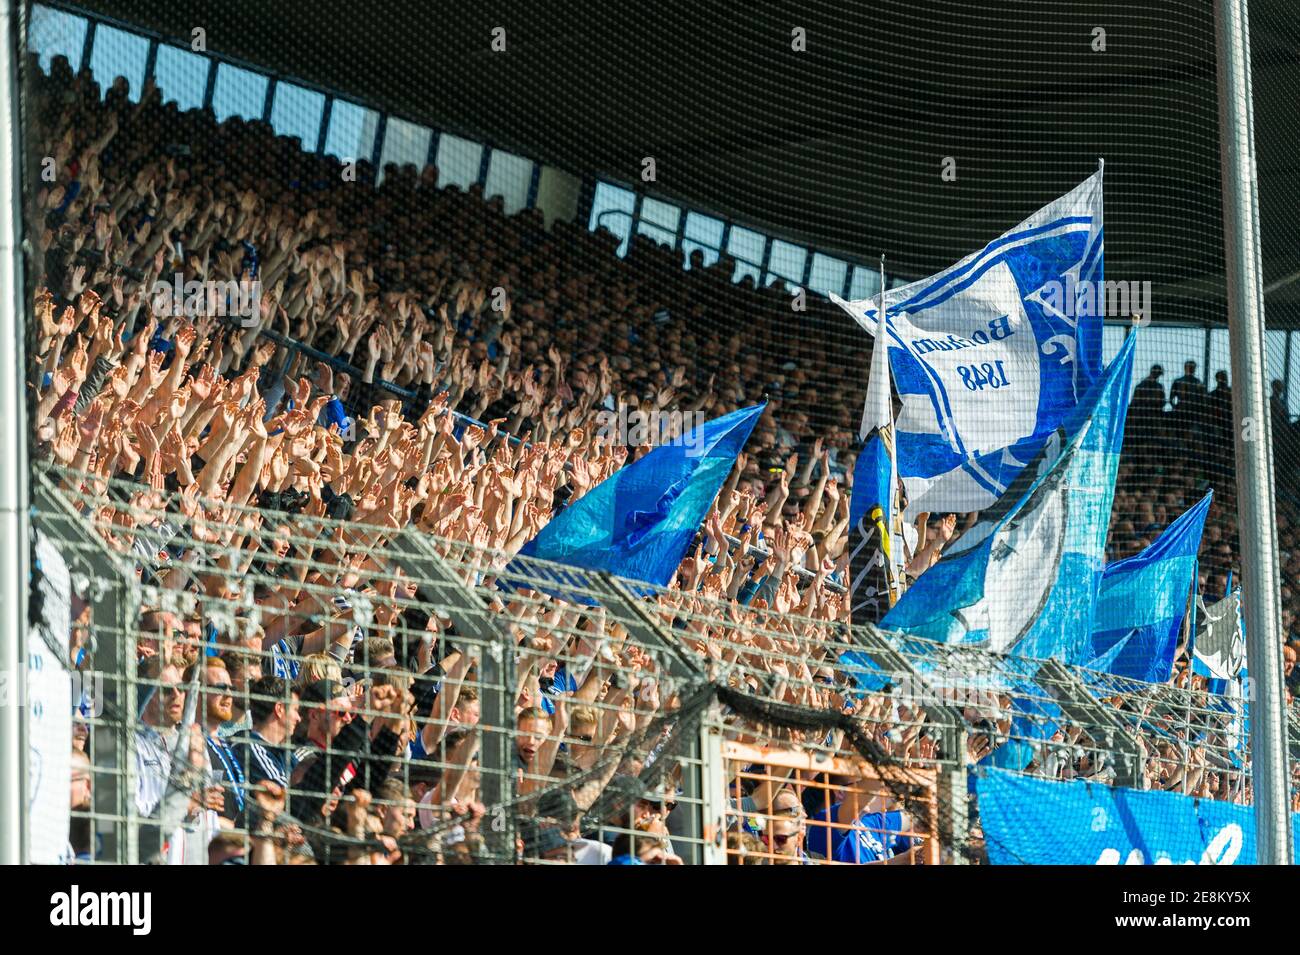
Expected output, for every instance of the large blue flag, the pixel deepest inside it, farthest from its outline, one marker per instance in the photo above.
(1025, 577)
(639, 522)
(992, 355)
(1029, 821)
(1143, 600)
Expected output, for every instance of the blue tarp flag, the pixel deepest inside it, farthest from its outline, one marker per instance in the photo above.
(1029, 821)
(639, 522)
(1143, 600)
(1025, 577)
(862, 670)
(993, 354)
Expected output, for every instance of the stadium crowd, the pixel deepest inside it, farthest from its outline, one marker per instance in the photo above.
(506, 341)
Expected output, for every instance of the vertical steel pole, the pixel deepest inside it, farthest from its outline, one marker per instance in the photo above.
(713, 786)
(952, 798)
(13, 459)
(1255, 508)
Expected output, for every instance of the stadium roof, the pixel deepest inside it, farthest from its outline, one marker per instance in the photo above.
(840, 146)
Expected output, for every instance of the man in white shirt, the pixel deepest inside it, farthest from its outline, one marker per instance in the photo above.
(156, 740)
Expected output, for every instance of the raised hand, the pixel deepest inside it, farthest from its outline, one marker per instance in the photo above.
(301, 393)
(472, 438)
(201, 385)
(179, 401)
(781, 545)
(184, 340)
(153, 370)
(90, 423)
(88, 301)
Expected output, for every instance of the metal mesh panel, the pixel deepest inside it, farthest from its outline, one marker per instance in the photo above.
(838, 703)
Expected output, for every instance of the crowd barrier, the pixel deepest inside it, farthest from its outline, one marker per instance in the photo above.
(566, 702)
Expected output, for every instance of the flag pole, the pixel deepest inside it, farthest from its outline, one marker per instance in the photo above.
(1189, 629)
(893, 571)
(14, 491)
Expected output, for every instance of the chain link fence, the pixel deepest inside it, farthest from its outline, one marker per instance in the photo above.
(536, 713)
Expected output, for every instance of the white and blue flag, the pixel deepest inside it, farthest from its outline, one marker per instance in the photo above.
(1220, 648)
(1025, 578)
(991, 355)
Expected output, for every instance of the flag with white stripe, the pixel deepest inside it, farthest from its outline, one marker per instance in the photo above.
(1220, 649)
(991, 355)
(1025, 577)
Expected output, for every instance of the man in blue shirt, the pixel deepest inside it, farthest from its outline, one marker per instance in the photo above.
(849, 833)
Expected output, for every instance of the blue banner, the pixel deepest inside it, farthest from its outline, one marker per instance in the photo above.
(870, 508)
(1028, 821)
(1025, 577)
(639, 522)
(1143, 600)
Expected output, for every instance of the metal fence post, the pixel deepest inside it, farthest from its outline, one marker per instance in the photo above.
(705, 745)
(713, 789)
(472, 618)
(13, 459)
(114, 598)
(1261, 603)
(953, 821)
(113, 617)
(954, 804)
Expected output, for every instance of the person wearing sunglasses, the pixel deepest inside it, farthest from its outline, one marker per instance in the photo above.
(784, 839)
(787, 829)
(218, 709)
(584, 726)
(156, 738)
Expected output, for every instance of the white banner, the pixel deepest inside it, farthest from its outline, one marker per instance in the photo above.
(49, 713)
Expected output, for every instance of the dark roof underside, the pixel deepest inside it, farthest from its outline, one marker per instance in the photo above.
(839, 146)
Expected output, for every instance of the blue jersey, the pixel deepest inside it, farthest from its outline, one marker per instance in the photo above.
(873, 838)
(415, 749)
(562, 682)
(284, 662)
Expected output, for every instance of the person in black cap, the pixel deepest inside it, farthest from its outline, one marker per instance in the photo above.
(344, 752)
